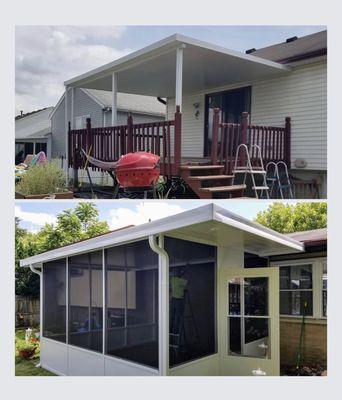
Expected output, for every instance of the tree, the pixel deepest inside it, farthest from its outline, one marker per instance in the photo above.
(286, 218)
(26, 283)
(71, 226)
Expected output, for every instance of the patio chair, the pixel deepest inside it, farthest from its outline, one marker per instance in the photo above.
(30, 161)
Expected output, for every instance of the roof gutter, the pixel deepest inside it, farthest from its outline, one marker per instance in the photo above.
(40, 273)
(163, 303)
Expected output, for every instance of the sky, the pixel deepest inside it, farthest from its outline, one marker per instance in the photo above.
(46, 56)
(122, 212)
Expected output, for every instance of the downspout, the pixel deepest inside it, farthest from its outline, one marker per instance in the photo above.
(163, 306)
(40, 273)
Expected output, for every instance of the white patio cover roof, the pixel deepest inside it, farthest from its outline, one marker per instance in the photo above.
(151, 70)
(210, 223)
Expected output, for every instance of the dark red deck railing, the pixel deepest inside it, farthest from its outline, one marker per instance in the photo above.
(274, 141)
(110, 143)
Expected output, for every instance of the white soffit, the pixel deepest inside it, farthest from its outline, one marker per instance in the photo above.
(151, 70)
(263, 240)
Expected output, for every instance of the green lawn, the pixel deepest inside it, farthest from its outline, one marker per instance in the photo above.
(27, 367)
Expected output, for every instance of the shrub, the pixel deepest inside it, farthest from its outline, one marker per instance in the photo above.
(48, 178)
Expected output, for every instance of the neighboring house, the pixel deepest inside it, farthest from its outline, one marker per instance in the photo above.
(96, 105)
(116, 305)
(284, 80)
(33, 134)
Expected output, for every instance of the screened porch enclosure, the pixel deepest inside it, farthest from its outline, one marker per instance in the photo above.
(107, 301)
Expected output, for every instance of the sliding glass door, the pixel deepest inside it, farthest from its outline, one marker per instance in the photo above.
(231, 103)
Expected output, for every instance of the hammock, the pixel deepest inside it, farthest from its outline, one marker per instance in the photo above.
(105, 165)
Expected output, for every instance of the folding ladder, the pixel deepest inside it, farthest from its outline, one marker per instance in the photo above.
(278, 181)
(178, 339)
(258, 170)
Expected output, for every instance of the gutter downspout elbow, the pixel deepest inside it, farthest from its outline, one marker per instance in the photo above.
(163, 306)
(40, 273)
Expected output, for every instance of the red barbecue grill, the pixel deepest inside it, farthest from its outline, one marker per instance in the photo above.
(135, 172)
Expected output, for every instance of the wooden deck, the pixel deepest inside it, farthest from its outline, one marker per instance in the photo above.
(208, 177)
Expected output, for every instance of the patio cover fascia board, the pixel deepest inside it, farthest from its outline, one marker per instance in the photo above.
(206, 213)
(163, 47)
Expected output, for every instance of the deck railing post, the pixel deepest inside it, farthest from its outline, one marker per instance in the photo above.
(244, 127)
(177, 141)
(214, 143)
(129, 133)
(88, 135)
(244, 138)
(287, 142)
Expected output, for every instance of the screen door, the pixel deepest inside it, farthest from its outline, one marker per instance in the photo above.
(251, 322)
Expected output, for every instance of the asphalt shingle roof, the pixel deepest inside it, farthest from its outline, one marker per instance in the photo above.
(33, 125)
(130, 102)
(282, 52)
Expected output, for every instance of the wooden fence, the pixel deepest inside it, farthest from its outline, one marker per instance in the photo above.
(26, 311)
(274, 141)
(110, 143)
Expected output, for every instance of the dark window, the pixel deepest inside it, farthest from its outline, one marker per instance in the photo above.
(231, 103)
(54, 303)
(296, 290)
(132, 303)
(22, 149)
(41, 147)
(85, 301)
(192, 300)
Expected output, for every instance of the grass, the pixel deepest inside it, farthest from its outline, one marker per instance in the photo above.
(25, 367)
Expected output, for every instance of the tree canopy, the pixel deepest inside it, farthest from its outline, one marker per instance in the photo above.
(72, 226)
(286, 218)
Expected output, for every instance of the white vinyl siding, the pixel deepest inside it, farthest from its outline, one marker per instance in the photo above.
(301, 95)
(192, 127)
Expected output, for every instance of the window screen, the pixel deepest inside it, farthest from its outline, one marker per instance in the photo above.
(325, 290)
(54, 300)
(192, 300)
(85, 301)
(132, 303)
(296, 290)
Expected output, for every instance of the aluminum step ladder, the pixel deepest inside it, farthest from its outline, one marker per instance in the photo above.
(261, 191)
(279, 180)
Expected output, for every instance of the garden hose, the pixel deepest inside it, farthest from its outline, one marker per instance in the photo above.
(300, 344)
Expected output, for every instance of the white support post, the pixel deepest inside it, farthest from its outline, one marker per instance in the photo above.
(40, 273)
(66, 135)
(179, 77)
(114, 99)
(72, 118)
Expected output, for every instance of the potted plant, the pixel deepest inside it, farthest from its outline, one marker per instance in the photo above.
(26, 350)
(43, 181)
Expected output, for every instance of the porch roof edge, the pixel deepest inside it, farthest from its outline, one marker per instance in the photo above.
(208, 212)
(168, 44)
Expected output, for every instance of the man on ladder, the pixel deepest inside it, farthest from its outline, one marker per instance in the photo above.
(178, 287)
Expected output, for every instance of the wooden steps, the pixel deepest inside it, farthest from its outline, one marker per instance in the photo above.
(209, 181)
(210, 177)
(231, 188)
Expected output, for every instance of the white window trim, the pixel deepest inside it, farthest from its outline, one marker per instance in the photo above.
(83, 119)
(317, 283)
